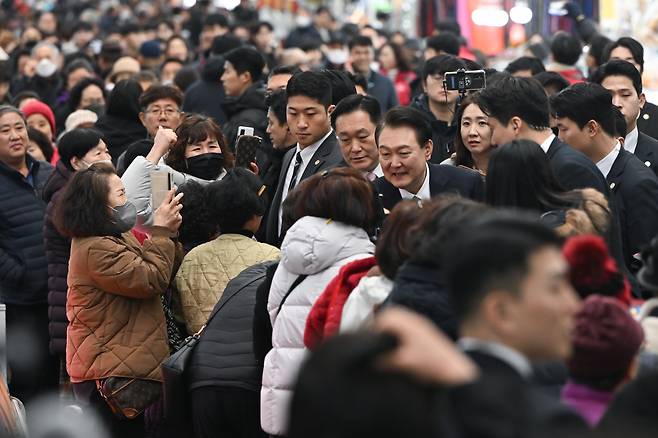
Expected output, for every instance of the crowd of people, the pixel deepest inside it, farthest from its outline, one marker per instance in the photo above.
(394, 258)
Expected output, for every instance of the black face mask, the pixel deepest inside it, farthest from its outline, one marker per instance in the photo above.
(206, 166)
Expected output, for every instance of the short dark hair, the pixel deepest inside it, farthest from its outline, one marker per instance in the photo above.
(255, 27)
(24, 95)
(311, 84)
(359, 80)
(222, 44)
(77, 143)
(520, 176)
(82, 207)
(552, 79)
(171, 59)
(185, 77)
(341, 194)
(617, 67)
(526, 63)
(633, 46)
(76, 92)
(284, 70)
(42, 141)
(491, 252)
(448, 26)
(357, 102)
(405, 116)
(77, 64)
(597, 45)
(441, 64)
(516, 97)
(446, 42)
(621, 127)
(193, 129)
(584, 102)
(394, 243)
(216, 20)
(235, 199)
(198, 225)
(566, 48)
(276, 103)
(360, 41)
(247, 59)
(157, 92)
(341, 85)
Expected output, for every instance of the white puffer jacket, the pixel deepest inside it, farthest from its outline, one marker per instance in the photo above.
(317, 248)
(137, 181)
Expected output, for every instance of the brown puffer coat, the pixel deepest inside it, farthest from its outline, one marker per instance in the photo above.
(117, 325)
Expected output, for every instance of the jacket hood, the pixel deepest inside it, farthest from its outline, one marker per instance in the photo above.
(253, 98)
(124, 100)
(213, 69)
(56, 181)
(313, 244)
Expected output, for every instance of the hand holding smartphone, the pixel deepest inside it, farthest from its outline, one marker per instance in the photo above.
(246, 147)
(161, 182)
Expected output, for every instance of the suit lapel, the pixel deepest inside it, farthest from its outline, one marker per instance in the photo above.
(437, 180)
(320, 156)
(616, 174)
(388, 193)
(552, 149)
(643, 151)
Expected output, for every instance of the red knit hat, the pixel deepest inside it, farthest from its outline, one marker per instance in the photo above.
(38, 107)
(606, 339)
(593, 271)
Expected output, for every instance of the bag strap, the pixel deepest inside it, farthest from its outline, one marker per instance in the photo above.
(294, 284)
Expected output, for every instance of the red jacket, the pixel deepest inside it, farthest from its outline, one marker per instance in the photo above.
(324, 319)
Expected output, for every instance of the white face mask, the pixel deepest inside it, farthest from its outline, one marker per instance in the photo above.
(337, 56)
(46, 68)
(303, 21)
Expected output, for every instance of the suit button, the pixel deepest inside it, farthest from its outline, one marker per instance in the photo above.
(612, 186)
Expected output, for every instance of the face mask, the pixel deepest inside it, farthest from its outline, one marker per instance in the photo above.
(303, 21)
(206, 166)
(124, 217)
(337, 56)
(46, 68)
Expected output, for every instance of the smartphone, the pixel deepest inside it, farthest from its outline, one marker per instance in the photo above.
(161, 182)
(245, 150)
(462, 80)
(245, 130)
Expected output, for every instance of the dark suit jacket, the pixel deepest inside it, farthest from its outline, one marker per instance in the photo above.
(545, 415)
(326, 157)
(648, 121)
(647, 151)
(635, 191)
(443, 179)
(381, 88)
(573, 169)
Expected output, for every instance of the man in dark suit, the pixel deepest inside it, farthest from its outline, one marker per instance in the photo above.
(518, 109)
(509, 284)
(624, 81)
(405, 146)
(586, 119)
(362, 54)
(308, 110)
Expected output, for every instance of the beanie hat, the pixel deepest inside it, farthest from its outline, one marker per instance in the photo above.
(77, 118)
(150, 49)
(125, 64)
(605, 340)
(593, 270)
(38, 107)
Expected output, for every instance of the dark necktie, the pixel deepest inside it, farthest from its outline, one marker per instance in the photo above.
(295, 171)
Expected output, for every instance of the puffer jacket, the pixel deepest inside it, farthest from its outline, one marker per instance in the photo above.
(207, 269)
(365, 299)
(117, 325)
(58, 250)
(224, 355)
(137, 181)
(318, 248)
(23, 266)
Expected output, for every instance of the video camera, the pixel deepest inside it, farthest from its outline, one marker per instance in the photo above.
(465, 80)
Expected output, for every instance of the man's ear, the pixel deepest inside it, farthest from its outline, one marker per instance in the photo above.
(592, 128)
(499, 311)
(517, 124)
(331, 109)
(429, 147)
(245, 77)
(142, 116)
(643, 100)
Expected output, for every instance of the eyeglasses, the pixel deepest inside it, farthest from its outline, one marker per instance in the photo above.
(168, 111)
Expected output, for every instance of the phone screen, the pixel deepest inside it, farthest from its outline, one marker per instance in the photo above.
(161, 183)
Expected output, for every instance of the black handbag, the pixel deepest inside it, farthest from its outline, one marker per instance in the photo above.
(128, 397)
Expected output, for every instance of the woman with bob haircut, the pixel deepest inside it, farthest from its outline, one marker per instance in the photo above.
(197, 151)
(335, 212)
(116, 324)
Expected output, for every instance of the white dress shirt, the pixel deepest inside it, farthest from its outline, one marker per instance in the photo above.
(306, 154)
(508, 355)
(631, 140)
(424, 192)
(545, 146)
(605, 165)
